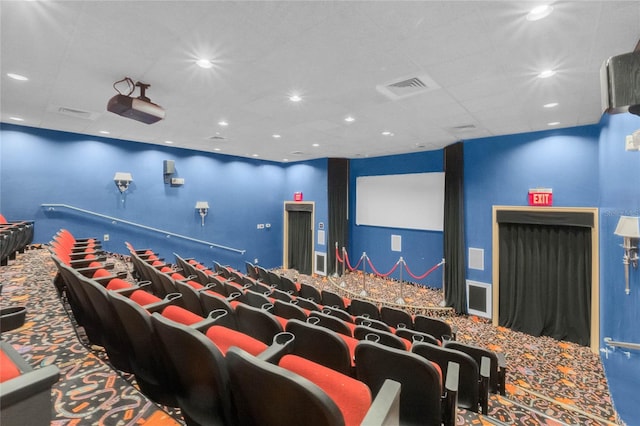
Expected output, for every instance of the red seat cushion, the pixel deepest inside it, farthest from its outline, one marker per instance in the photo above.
(156, 263)
(224, 338)
(181, 315)
(195, 285)
(178, 277)
(100, 273)
(352, 397)
(118, 284)
(200, 266)
(8, 370)
(95, 265)
(143, 298)
(166, 269)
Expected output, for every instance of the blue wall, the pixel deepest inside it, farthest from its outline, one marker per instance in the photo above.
(619, 312)
(40, 166)
(421, 250)
(501, 170)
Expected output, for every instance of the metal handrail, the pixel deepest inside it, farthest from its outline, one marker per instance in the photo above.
(626, 345)
(52, 207)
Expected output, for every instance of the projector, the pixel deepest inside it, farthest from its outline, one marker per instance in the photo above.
(136, 108)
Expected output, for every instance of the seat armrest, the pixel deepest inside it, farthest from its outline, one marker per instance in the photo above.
(83, 263)
(169, 299)
(89, 271)
(450, 399)
(103, 281)
(28, 384)
(212, 319)
(281, 346)
(502, 373)
(485, 372)
(385, 408)
(141, 285)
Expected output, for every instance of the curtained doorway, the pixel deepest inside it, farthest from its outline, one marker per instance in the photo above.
(545, 268)
(298, 237)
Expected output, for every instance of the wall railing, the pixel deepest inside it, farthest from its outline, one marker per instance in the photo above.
(52, 207)
(626, 345)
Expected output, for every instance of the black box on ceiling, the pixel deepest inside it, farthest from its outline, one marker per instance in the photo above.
(620, 84)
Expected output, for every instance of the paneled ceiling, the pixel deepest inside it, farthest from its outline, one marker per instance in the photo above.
(479, 61)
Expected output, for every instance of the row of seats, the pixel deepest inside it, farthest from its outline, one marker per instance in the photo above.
(483, 370)
(14, 237)
(156, 336)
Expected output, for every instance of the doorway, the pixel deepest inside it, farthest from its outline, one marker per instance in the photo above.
(298, 237)
(528, 237)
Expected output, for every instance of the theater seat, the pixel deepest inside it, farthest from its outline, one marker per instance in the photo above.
(307, 393)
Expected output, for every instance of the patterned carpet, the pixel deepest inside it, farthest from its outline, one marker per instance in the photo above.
(548, 382)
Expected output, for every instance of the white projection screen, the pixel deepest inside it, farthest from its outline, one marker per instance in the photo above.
(408, 201)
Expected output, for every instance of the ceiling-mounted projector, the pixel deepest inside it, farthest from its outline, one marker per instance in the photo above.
(139, 109)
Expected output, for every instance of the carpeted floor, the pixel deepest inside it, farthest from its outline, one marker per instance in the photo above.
(548, 382)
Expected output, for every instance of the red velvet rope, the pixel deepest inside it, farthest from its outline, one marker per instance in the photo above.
(424, 275)
(378, 273)
(346, 259)
(338, 256)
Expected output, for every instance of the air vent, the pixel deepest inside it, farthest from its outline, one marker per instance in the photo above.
(217, 138)
(73, 112)
(297, 153)
(407, 86)
(464, 128)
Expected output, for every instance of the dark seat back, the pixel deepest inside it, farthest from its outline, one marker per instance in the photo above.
(421, 383)
(364, 309)
(394, 317)
(433, 326)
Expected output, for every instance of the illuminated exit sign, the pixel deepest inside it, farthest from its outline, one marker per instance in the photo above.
(540, 197)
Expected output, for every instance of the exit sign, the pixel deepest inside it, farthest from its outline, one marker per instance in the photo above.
(297, 196)
(540, 197)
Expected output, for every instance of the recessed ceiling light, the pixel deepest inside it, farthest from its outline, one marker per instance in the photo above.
(539, 12)
(315, 145)
(168, 142)
(387, 133)
(204, 63)
(295, 98)
(17, 76)
(216, 149)
(222, 123)
(16, 118)
(349, 119)
(255, 155)
(546, 74)
(104, 132)
(276, 136)
(550, 105)
(285, 159)
(553, 123)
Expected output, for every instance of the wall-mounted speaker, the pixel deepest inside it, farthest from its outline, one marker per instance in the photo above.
(169, 167)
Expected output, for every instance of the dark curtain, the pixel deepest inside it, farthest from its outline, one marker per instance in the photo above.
(455, 288)
(545, 280)
(300, 244)
(338, 197)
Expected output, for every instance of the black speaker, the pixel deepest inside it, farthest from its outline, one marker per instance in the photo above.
(620, 84)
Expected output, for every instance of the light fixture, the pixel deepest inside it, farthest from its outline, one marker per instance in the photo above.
(204, 63)
(104, 132)
(539, 12)
(349, 119)
(17, 76)
(223, 123)
(550, 105)
(546, 74)
(276, 136)
(203, 209)
(16, 118)
(553, 123)
(629, 228)
(295, 98)
(122, 180)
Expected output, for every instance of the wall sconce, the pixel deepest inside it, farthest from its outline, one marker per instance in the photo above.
(122, 180)
(629, 228)
(203, 208)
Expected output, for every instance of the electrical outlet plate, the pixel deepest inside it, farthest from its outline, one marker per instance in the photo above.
(105, 237)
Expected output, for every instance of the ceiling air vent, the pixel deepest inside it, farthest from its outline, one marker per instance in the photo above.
(217, 138)
(407, 86)
(464, 128)
(73, 112)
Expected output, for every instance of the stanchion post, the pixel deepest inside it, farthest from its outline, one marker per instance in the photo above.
(400, 300)
(335, 272)
(344, 265)
(444, 295)
(364, 293)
